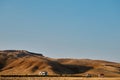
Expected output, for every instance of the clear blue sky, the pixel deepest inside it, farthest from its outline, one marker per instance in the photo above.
(62, 28)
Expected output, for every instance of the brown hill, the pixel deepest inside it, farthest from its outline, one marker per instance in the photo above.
(24, 62)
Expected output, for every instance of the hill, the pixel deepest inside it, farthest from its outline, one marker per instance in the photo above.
(25, 62)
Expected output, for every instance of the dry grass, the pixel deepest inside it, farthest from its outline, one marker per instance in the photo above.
(20, 62)
(56, 78)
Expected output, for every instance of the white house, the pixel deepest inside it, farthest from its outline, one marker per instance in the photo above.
(44, 73)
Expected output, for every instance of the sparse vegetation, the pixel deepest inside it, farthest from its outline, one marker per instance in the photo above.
(57, 78)
(22, 62)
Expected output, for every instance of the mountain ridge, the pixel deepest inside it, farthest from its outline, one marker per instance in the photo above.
(25, 62)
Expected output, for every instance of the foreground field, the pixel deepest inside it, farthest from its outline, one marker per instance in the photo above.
(55, 78)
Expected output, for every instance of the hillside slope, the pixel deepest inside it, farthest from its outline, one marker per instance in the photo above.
(24, 62)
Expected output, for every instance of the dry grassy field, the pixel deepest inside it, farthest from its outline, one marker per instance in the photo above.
(25, 65)
(56, 78)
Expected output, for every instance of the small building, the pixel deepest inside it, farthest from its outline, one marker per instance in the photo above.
(43, 73)
(88, 75)
(100, 75)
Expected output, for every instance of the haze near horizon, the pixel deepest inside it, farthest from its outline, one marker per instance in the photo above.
(62, 28)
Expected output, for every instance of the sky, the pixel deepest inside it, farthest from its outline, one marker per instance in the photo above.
(82, 29)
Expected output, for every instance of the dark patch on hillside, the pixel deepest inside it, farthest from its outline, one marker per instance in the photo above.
(68, 69)
(35, 68)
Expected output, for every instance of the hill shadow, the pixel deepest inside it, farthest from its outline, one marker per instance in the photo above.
(68, 68)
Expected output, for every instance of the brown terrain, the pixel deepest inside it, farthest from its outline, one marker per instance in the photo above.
(24, 62)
